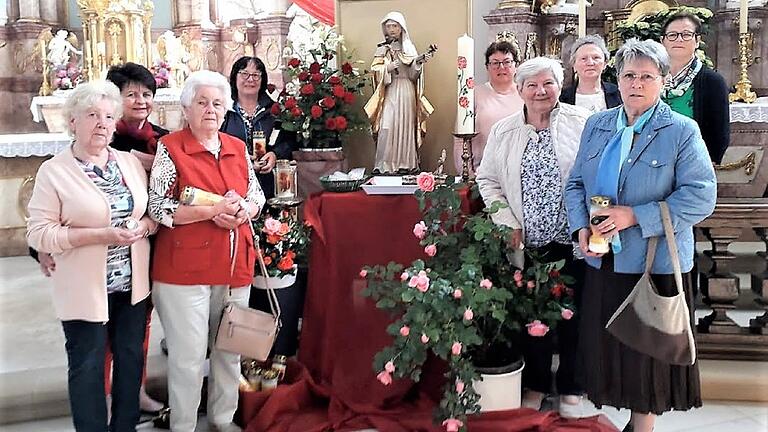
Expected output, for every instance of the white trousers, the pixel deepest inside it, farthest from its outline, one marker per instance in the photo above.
(190, 315)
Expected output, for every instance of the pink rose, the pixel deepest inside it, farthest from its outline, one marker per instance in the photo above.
(566, 314)
(456, 348)
(468, 314)
(420, 281)
(518, 276)
(404, 276)
(405, 331)
(463, 102)
(537, 328)
(452, 425)
(272, 226)
(531, 284)
(519, 284)
(420, 230)
(470, 83)
(485, 283)
(459, 386)
(363, 273)
(389, 367)
(430, 250)
(426, 181)
(424, 338)
(457, 294)
(384, 377)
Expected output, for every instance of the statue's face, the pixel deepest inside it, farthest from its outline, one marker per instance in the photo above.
(393, 29)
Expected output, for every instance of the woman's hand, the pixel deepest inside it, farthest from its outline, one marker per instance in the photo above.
(230, 222)
(47, 264)
(121, 236)
(516, 239)
(393, 65)
(584, 234)
(228, 206)
(618, 218)
(268, 162)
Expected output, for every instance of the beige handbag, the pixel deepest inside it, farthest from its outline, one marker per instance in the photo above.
(652, 324)
(250, 332)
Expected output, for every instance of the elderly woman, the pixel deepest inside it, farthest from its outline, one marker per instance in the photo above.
(588, 58)
(494, 100)
(637, 154)
(526, 164)
(693, 89)
(204, 255)
(88, 210)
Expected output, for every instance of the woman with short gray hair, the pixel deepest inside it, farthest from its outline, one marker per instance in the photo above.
(588, 58)
(525, 165)
(637, 155)
(204, 255)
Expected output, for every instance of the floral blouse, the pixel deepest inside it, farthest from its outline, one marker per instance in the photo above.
(544, 216)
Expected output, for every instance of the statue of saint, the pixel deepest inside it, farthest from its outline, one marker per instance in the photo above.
(172, 51)
(398, 108)
(61, 48)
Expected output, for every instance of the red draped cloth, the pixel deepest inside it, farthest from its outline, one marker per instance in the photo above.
(333, 386)
(323, 10)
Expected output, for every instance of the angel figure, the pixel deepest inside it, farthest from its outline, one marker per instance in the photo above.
(172, 51)
(398, 108)
(62, 47)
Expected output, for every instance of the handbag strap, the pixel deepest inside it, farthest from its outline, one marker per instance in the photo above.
(274, 305)
(669, 233)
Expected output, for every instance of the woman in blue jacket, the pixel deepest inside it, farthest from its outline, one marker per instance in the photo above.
(637, 154)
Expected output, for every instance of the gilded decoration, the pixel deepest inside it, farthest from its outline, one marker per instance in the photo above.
(633, 11)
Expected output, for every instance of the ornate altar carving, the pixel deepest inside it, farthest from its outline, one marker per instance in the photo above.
(115, 32)
(634, 10)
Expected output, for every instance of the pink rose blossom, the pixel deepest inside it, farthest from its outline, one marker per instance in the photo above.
(405, 331)
(459, 386)
(424, 338)
(537, 328)
(456, 348)
(519, 284)
(430, 250)
(531, 284)
(384, 377)
(272, 226)
(468, 314)
(420, 281)
(452, 425)
(470, 83)
(404, 276)
(457, 294)
(363, 273)
(426, 181)
(420, 230)
(389, 367)
(518, 276)
(485, 283)
(566, 314)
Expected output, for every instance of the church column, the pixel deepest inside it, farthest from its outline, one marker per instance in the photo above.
(29, 11)
(49, 12)
(274, 36)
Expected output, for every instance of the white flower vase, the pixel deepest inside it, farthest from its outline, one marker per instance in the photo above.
(500, 390)
(275, 282)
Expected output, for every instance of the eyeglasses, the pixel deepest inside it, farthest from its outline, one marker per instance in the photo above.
(686, 36)
(246, 76)
(645, 78)
(498, 64)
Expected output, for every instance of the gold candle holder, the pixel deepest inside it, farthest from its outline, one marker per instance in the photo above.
(467, 157)
(746, 59)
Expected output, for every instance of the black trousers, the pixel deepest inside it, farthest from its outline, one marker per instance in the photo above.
(85, 344)
(537, 351)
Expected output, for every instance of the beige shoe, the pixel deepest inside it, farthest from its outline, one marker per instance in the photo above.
(571, 406)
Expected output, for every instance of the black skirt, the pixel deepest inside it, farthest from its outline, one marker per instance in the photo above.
(613, 374)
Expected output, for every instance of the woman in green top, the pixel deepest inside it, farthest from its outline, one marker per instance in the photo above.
(693, 89)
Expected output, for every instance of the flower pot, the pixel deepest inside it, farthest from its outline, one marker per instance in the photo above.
(274, 281)
(315, 163)
(501, 387)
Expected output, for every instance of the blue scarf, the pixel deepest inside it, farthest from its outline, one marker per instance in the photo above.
(613, 158)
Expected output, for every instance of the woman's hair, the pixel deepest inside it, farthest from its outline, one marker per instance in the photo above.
(205, 78)
(241, 64)
(503, 47)
(130, 73)
(595, 40)
(697, 24)
(634, 49)
(87, 95)
(537, 65)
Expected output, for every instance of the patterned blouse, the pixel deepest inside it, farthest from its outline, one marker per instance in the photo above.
(110, 182)
(544, 214)
(162, 206)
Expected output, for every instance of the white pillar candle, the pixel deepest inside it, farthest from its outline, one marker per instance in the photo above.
(582, 18)
(465, 100)
(743, 16)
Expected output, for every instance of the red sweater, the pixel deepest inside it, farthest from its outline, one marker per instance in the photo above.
(199, 253)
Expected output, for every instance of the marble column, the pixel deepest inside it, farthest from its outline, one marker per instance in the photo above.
(274, 35)
(280, 7)
(49, 12)
(29, 11)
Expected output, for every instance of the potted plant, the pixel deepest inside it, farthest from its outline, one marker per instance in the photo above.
(319, 104)
(466, 302)
(283, 240)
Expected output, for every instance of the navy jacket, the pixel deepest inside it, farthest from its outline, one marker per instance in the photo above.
(711, 111)
(611, 92)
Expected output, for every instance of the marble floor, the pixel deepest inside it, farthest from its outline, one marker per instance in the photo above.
(33, 368)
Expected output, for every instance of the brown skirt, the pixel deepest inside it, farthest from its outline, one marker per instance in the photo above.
(613, 374)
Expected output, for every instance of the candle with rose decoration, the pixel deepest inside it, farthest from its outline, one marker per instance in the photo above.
(743, 16)
(582, 18)
(465, 101)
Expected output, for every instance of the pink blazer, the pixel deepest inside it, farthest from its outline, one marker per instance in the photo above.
(65, 197)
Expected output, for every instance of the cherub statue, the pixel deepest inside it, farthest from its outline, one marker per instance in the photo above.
(172, 51)
(62, 47)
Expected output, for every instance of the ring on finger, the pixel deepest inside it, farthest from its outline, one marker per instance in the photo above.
(612, 227)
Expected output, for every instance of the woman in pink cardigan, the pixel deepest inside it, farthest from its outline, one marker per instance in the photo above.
(88, 209)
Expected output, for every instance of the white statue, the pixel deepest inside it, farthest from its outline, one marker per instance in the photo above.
(172, 51)
(61, 48)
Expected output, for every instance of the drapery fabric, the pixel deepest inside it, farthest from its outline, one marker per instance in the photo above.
(323, 10)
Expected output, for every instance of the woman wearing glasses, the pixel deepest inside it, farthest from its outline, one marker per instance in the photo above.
(588, 58)
(494, 100)
(692, 89)
(638, 155)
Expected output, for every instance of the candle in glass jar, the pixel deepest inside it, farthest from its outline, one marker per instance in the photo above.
(465, 100)
(744, 16)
